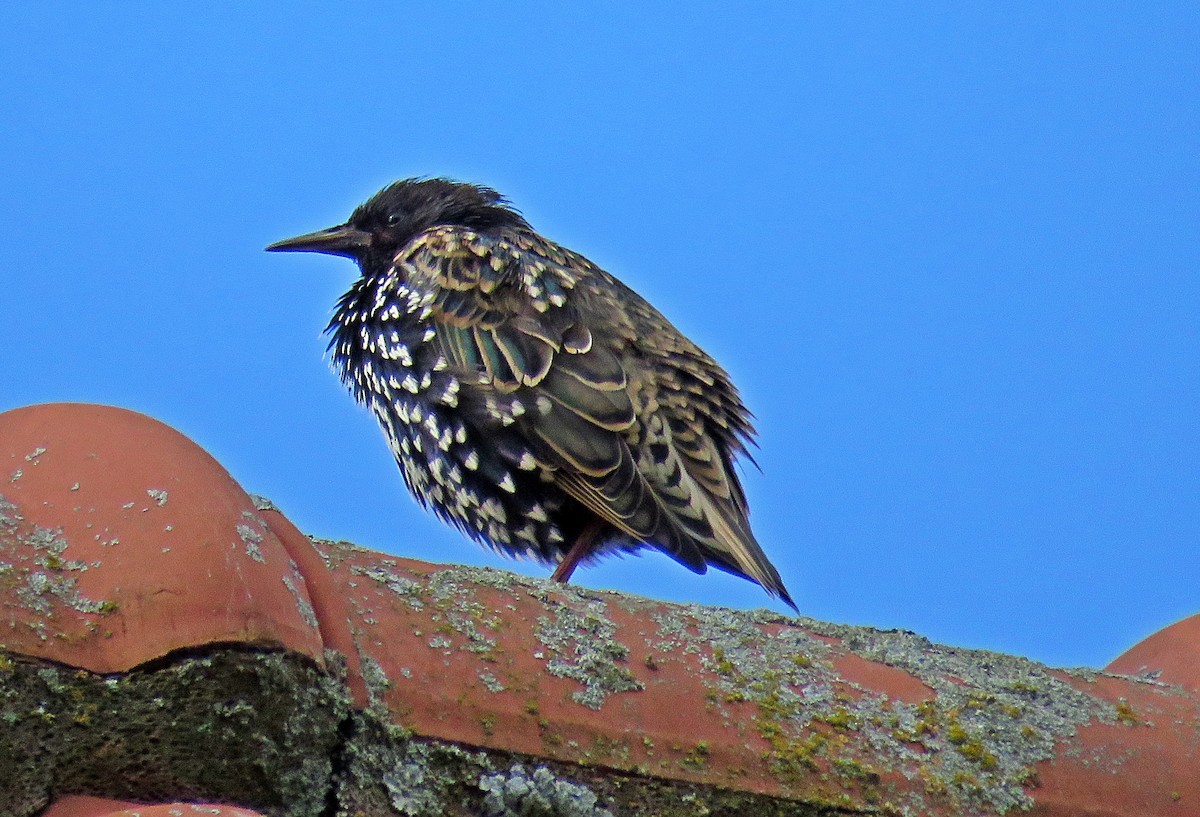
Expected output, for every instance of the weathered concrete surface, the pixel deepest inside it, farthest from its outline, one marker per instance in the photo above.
(236, 726)
(243, 663)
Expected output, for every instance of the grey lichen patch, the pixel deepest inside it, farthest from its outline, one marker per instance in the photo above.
(9, 516)
(251, 539)
(261, 503)
(292, 580)
(333, 551)
(377, 682)
(158, 495)
(459, 619)
(543, 590)
(250, 532)
(974, 742)
(517, 793)
(583, 646)
(413, 787)
(402, 586)
(458, 614)
(494, 578)
(33, 455)
(32, 563)
(387, 771)
(491, 682)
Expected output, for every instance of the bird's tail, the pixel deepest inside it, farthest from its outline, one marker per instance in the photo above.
(735, 550)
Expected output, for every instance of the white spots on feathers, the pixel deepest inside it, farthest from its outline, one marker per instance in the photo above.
(493, 509)
(392, 349)
(386, 349)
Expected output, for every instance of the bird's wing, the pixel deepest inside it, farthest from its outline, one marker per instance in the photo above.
(696, 428)
(510, 314)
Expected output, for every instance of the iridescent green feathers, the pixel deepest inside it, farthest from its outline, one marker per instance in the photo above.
(623, 412)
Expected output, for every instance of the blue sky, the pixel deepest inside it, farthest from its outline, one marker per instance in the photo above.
(949, 254)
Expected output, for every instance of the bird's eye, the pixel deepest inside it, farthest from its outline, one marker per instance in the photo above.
(393, 219)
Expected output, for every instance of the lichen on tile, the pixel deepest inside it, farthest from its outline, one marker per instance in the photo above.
(989, 720)
(583, 647)
(517, 793)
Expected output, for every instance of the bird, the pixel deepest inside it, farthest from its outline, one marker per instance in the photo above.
(529, 397)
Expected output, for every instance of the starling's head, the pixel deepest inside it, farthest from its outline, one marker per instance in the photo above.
(395, 215)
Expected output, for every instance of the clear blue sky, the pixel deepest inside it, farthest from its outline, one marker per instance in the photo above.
(951, 256)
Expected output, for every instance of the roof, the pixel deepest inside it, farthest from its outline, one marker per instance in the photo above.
(169, 639)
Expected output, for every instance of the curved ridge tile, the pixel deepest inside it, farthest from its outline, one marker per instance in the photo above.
(122, 540)
(1170, 656)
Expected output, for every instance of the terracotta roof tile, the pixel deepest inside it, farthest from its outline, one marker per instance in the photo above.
(127, 541)
(1171, 655)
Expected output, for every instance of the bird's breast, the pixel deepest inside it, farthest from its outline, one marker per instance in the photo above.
(456, 454)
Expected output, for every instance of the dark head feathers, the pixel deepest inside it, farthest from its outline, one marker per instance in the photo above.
(380, 227)
(405, 208)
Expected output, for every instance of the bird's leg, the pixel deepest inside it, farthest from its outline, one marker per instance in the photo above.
(581, 548)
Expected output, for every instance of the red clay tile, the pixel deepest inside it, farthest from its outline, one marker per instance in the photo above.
(802, 710)
(329, 607)
(1144, 762)
(1171, 655)
(79, 806)
(896, 684)
(128, 541)
(76, 806)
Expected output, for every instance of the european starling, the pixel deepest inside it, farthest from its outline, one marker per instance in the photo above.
(532, 399)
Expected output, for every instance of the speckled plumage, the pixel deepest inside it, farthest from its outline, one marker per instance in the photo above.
(530, 398)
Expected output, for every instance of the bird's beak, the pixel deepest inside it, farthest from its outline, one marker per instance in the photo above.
(341, 240)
